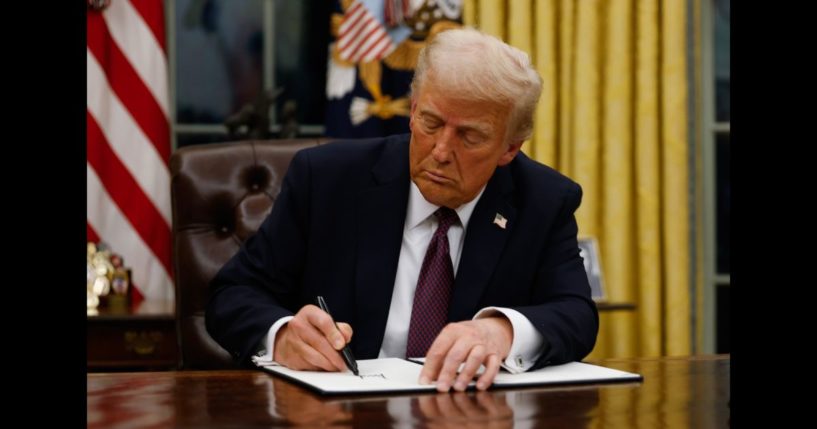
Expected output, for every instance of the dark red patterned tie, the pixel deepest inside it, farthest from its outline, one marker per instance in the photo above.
(429, 312)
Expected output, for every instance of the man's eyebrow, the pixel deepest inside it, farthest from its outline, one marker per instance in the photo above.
(426, 112)
(483, 130)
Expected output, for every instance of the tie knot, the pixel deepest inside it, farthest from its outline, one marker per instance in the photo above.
(446, 217)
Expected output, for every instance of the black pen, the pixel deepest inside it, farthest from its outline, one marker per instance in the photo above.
(346, 353)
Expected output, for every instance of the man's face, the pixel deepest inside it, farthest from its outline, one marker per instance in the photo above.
(455, 145)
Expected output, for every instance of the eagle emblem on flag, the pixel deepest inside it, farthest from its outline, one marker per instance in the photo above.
(372, 59)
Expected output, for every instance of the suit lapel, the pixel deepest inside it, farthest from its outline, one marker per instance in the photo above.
(381, 215)
(484, 243)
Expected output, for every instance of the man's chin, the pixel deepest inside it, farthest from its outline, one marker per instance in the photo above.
(437, 195)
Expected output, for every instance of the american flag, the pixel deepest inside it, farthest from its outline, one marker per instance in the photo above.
(128, 140)
(361, 37)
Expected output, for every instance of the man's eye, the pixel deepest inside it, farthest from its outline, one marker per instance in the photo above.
(473, 138)
(431, 124)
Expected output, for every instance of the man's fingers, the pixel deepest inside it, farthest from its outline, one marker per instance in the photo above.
(292, 352)
(451, 364)
(467, 345)
(470, 367)
(323, 321)
(311, 340)
(305, 329)
(435, 356)
(491, 370)
(314, 359)
(346, 330)
(314, 339)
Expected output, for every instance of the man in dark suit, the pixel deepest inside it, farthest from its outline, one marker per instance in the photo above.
(447, 242)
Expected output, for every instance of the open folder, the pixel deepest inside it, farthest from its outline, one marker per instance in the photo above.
(400, 375)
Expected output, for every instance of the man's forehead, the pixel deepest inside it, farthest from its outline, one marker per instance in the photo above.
(433, 91)
(447, 106)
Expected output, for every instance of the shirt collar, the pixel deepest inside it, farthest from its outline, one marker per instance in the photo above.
(419, 209)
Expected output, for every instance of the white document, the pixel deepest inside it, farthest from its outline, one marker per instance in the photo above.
(400, 375)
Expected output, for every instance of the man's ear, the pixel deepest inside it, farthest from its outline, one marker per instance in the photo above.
(507, 157)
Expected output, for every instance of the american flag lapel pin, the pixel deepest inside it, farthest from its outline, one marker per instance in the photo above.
(500, 221)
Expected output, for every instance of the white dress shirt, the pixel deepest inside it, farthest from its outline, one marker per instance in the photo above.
(417, 232)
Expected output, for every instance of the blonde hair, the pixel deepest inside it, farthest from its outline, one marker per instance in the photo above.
(479, 67)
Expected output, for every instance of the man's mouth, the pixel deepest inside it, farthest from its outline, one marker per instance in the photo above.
(437, 177)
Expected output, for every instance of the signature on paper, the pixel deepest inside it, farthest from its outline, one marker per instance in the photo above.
(362, 376)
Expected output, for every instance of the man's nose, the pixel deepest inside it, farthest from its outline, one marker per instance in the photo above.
(444, 145)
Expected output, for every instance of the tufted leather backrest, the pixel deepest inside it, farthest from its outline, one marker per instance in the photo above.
(220, 195)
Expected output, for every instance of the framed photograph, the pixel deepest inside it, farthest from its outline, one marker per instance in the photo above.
(589, 251)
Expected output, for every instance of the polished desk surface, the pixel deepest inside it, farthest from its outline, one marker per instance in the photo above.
(676, 392)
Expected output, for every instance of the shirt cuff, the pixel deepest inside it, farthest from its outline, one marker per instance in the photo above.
(527, 344)
(265, 354)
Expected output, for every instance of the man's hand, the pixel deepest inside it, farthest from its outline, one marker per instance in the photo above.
(475, 342)
(311, 341)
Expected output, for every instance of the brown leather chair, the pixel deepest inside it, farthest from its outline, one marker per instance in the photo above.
(220, 195)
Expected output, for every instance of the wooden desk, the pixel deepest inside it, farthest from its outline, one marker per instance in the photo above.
(676, 392)
(144, 338)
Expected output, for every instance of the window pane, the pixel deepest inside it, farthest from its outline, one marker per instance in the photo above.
(722, 59)
(301, 49)
(219, 58)
(723, 196)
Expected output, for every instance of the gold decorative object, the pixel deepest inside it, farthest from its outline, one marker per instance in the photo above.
(108, 281)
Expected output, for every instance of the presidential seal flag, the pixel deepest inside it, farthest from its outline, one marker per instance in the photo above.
(128, 139)
(372, 59)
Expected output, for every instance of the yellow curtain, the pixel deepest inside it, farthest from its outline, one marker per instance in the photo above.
(613, 116)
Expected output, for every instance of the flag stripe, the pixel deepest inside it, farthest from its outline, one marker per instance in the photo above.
(91, 233)
(149, 275)
(373, 46)
(153, 13)
(127, 140)
(350, 17)
(370, 32)
(380, 50)
(128, 86)
(347, 38)
(361, 36)
(139, 45)
(128, 196)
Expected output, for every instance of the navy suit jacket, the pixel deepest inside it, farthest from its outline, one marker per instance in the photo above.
(336, 229)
